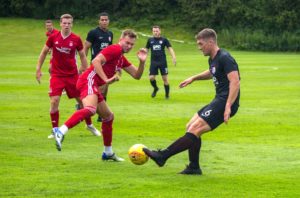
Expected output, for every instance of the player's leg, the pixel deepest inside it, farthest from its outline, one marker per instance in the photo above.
(197, 127)
(88, 110)
(89, 125)
(107, 128)
(73, 92)
(166, 85)
(56, 87)
(89, 97)
(103, 90)
(152, 75)
(54, 113)
(164, 74)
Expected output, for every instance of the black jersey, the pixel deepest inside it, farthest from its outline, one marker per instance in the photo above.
(99, 39)
(157, 46)
(222, 64)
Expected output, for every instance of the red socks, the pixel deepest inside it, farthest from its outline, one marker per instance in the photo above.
(88, 120)
(54, 118)
(80, 115)
(107, 130)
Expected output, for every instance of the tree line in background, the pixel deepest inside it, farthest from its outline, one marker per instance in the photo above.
(243, 24)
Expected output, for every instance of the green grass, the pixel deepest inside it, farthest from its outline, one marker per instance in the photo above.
(256, 155)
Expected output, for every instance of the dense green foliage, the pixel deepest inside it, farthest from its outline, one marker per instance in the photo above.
(252, 25)
(256, 155)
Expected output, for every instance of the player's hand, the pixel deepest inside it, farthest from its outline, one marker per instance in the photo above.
(38, 75)
(113, 79)
(142, 54)
(227, 113)
(81, 70)
(174, 61)
(185, 82)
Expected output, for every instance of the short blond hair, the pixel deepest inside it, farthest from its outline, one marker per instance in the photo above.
(130, 33)
(66, 16)
(207, 33)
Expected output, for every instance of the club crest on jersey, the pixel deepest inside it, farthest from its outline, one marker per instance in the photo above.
(71, 44)
(109, 38)
(56, 42)
(160, 42)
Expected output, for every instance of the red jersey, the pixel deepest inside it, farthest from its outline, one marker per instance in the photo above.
(52, 32)
(115, 60)
(63, 61)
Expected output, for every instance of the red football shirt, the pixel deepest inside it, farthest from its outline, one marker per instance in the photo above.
(114, 61)
(63, 62)
(52, 32)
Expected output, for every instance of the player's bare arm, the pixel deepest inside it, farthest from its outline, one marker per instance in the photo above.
(234, 87)
(41, 60)
(98, 62)
(87, 46)
(137, 73)
(173, 55)
(84, 63)
(202, 76)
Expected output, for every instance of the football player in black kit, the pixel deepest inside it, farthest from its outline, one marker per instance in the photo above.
(224, 71)
(98, 39)
(157, 43)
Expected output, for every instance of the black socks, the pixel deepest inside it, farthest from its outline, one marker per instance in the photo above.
(167, 90)
(181, 144)
(153, 83)
(194, 152)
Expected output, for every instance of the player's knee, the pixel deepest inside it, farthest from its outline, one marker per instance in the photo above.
(54, 101)
(91, 109)
(152, 78)
(197, 128)
(108, 117)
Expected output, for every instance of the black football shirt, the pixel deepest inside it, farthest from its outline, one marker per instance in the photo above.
(157, 45)
(99, 39)
(222, 64)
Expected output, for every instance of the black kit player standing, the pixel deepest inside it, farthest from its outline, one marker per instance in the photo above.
(157, 44)
(224, 71)
(98, 39)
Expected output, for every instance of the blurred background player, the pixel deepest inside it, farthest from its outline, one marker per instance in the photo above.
(224, 71)
(103, 71)
(50, 28)
(97, 39)
(64, 71)
(157, 43)
(49, 31)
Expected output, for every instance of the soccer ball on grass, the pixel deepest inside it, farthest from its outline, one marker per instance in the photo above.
(137, 155)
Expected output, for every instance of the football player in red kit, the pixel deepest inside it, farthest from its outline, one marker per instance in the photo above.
(103, 70)
(64, 71)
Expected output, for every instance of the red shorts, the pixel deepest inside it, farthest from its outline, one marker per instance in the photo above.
(58, 84)
(88, 86)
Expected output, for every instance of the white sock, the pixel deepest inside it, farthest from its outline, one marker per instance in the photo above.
(90, 125)
(63, 129)
(108, 150)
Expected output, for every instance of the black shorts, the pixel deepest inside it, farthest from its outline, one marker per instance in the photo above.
(213, 113)
(163, 68)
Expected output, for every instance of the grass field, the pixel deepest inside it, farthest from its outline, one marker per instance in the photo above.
(256, 155)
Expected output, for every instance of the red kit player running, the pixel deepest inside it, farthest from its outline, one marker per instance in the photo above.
(103, 70)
